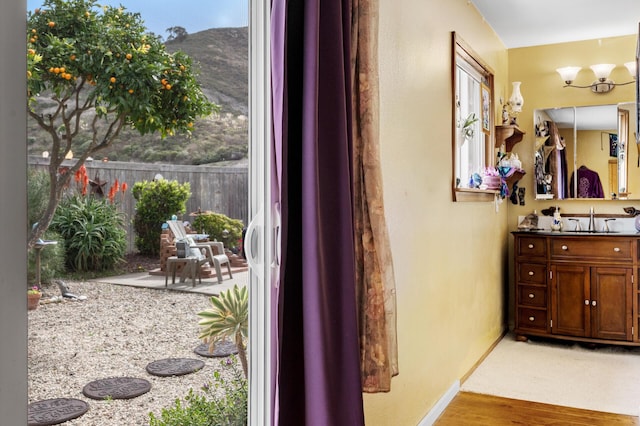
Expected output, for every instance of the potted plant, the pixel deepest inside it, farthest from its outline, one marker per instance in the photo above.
(228, 317)
(33, 297)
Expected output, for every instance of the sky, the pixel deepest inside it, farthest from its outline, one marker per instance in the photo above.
(192, 15)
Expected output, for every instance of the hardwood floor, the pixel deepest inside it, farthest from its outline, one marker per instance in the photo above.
(470, 409)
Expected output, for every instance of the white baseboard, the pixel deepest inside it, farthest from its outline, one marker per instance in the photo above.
(441, 405)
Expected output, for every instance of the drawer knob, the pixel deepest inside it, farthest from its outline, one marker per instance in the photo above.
(565, 248)
(616, 249)
(530, 246)
(531, 296)
(532, 318)
(586, 302)
(530, 273)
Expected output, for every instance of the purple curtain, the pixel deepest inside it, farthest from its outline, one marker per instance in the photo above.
(317, 365)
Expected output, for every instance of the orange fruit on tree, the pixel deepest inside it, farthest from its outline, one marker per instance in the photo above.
(67, 76)
(33, 30)
(51, 24)
(131, 91)
(56, 70)
(129, 56)
(32, 40)
(167, 86)
(112, 79)
(62, 69)
(72, 57)
(31, 52)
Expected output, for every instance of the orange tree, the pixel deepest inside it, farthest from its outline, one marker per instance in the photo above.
(93, 70)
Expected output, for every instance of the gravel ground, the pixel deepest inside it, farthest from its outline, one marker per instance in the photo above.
(115, 332)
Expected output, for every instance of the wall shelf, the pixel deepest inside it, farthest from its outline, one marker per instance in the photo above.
(474, 194)
(509, 134)
(515, 177)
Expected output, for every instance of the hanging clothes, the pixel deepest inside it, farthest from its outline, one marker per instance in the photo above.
(588, 183)
(557, 162)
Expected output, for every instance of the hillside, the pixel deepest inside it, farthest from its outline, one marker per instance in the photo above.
(222, 57)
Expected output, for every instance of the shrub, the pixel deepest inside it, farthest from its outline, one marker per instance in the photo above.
(157, 201)
(93, 231)
(220, 228)
(224, 402)
(222, 153)
(227, 319)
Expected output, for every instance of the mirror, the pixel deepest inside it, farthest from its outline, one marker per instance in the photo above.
(473, 123)
(585, 152)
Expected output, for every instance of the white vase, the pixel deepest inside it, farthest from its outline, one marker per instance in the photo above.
(516, 100)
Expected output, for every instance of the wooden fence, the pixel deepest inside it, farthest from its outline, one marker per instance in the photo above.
(220, 189)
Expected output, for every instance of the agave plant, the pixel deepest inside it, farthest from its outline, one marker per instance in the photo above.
(228, 318)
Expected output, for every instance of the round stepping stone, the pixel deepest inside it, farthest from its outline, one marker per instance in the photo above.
(221, 349)
(174, 367)
(116, 388)
(55, 411)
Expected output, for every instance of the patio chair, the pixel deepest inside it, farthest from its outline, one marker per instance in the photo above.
(177, 228)
(216, 260)
(220, 259)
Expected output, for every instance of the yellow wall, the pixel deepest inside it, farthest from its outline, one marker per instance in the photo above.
(450, 258)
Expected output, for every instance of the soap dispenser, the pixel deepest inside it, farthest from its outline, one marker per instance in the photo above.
(556, 223)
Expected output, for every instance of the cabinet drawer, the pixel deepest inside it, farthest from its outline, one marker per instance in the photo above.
(532, 273)
(532, 296)
(532, 318)
(598, 248)
(532, 246)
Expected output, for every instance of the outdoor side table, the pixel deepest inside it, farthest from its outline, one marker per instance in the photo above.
(191, 268)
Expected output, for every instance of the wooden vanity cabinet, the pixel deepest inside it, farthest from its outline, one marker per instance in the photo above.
(532, 314)
(587, 292)
(591, 302)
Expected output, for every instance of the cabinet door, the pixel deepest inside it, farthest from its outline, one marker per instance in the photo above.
(570, 304)
(611, 299)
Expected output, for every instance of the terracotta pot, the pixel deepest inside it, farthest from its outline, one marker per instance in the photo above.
(33, 300)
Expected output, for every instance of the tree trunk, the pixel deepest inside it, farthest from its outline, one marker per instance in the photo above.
(55, 194)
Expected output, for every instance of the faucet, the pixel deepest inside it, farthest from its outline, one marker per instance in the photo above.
(578, 226)
(592, 224)
(606, 225)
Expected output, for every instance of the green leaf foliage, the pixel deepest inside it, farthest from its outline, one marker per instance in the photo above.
(125, 73)
(220, 228)
(227, 319)
(222, 402)
(93, 231)
(156, 202)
